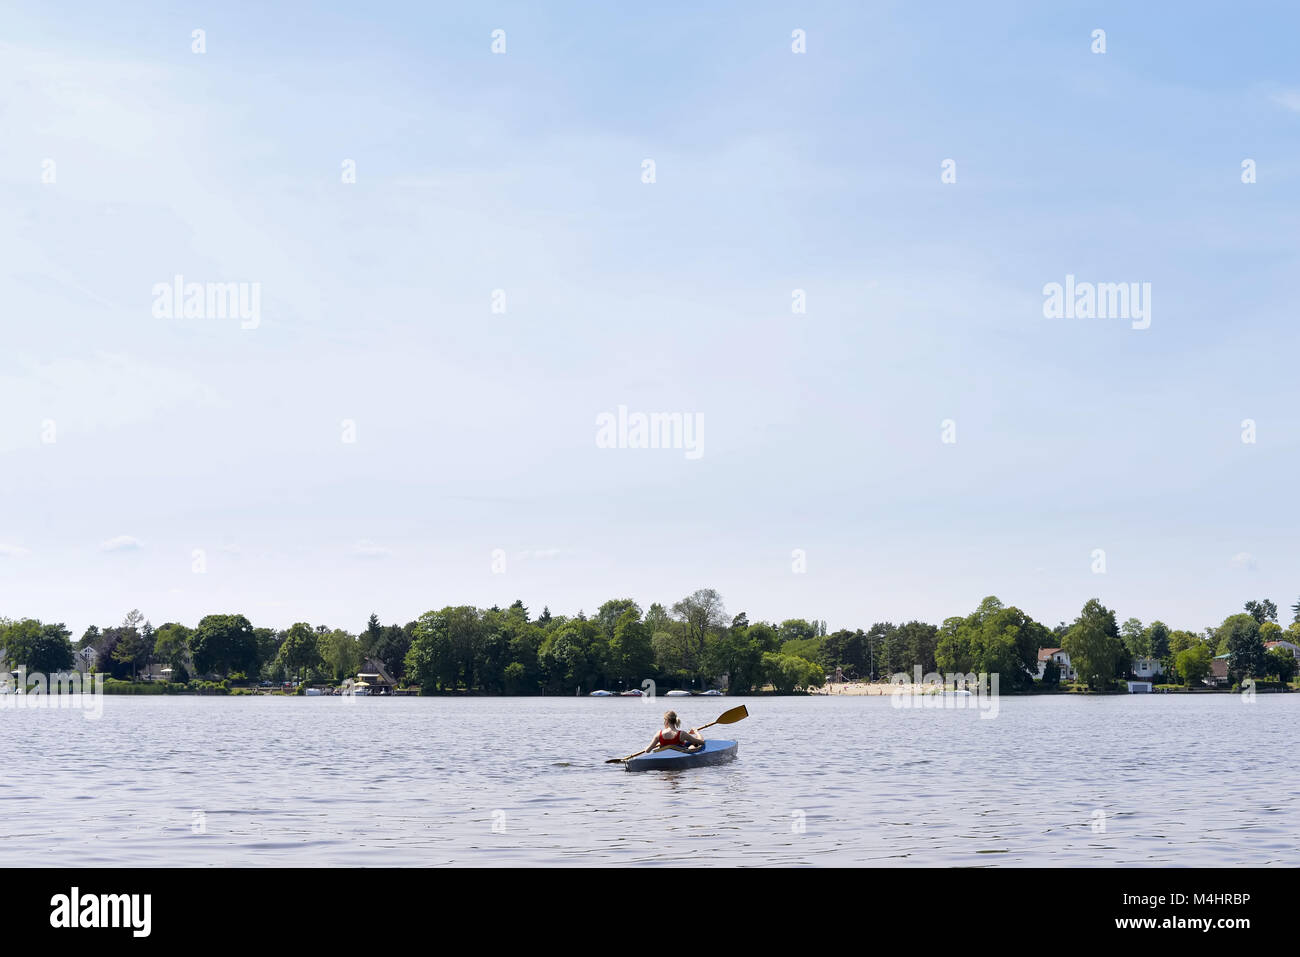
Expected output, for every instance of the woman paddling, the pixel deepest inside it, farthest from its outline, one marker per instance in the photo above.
(672, 735)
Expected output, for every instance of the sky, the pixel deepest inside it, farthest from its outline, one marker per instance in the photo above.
(380, 439)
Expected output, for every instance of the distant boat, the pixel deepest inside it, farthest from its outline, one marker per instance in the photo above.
(601, 694)
(634, 693)
(713, 693)
(678, 694)
(313, 692)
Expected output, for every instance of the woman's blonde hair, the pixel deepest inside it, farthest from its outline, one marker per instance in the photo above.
(670, 717)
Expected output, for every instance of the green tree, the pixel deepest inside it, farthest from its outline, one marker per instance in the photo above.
(1193, 663)
(223, 644)
(993, 639)
(954, 652)
(1262, 611)
(672, 653)
(1180, 641)
(369, 638)
(848, 650)
(431, 661)
(300, 652)
(516, 679)
(1239, 638)
(1157, 641)
(46, 649)
(610, 613)
(738, 656)
(1281, 664)
(341, 653)
(1094, 645)
(1134, 635)
(525, 646)
(570, 657)
(172, 648)
(919, 642)
(701, 613)
(811, 648)
(796, 629)
(765, 636)
(631, 653)
(786, 673)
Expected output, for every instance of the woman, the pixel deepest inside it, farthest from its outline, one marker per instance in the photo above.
(672, 736)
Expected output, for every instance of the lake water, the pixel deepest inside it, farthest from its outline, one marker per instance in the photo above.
(1174, 780)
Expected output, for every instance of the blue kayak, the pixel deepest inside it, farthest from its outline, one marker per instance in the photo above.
(674, 759)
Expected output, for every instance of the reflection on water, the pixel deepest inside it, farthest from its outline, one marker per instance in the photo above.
(1130, 780)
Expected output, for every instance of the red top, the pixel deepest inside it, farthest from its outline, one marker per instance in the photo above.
(669, 739)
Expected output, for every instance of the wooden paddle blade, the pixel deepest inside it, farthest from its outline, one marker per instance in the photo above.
(735, 714)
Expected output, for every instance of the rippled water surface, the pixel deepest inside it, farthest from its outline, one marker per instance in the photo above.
(1175, 780)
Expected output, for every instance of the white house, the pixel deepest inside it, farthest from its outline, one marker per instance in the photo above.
(1061, 658)
(84, 659)
(1146, 668)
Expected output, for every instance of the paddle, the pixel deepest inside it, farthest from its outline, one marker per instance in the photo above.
(738, 713)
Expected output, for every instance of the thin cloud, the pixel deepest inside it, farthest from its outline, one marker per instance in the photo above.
(1243, 560)
(123, 543)
(12, 551)
(365, 549)
(1288, 99)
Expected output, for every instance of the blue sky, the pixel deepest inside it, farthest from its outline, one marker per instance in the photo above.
(522, 172)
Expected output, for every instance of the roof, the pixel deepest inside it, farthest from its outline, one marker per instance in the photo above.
(1045, 654)
(374, 668)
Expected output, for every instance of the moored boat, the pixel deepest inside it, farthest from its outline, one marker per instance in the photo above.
(674, 759)
(601, 694)
(678, 694)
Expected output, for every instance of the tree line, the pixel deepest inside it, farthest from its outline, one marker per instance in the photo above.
(692, 643)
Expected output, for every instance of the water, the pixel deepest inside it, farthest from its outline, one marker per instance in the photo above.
(1181, 780)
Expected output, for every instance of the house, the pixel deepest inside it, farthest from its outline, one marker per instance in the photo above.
(376, 677)
(1146, 668)
(84, 659)
(1062, 660)
(1218, 671)
(1289, 646)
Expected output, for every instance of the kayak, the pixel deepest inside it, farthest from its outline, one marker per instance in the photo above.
(671, 759)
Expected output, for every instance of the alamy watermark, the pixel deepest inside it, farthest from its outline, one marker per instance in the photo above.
(179, 299)
(953, 690)
(651, 430)
(20, 689)
(1102, 300)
